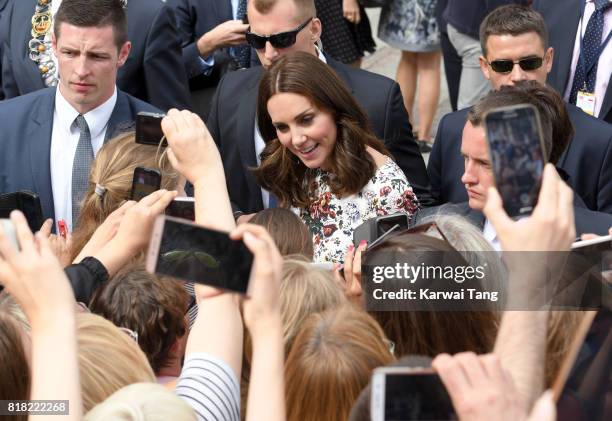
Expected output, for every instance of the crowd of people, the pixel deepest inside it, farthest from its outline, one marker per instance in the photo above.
(286, 145)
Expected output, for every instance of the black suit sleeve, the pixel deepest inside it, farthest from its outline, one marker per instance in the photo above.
(400, 142)
(434, 165)
(604, 197)
(8, 85)
(164, 71)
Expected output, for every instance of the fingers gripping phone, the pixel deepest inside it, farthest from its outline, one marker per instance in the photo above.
(10, 232)
(516, 147)
(148, 129)
(407, 393)
(184, 250)
(145, 182)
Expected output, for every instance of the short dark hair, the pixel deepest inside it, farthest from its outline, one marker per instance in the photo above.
(512, 19)
(152, 307)
(557, 127)
(93, 13)
(306, 8)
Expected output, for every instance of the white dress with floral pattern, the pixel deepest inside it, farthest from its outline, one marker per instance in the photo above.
(331, 220)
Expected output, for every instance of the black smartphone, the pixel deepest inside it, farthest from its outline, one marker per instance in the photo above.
(184, 250)
(374, 228)
(182, 207)
(404, 393)
(516, 149)
(148, 129)
(25, 201)
(145, 182)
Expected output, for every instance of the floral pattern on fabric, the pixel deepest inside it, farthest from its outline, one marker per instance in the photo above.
(331, 220)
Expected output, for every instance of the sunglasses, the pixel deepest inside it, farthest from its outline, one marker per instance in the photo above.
(506, 66)
(279, 40)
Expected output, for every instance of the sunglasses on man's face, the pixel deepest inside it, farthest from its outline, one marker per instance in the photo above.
(279, 40)
(506, 66)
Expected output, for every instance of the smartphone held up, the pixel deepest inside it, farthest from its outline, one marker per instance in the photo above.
(184, 250)
(516, 148)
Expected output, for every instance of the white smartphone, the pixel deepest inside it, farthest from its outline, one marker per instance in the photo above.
(409, 393)
(182, 207)
(601, 243)
(9, 231)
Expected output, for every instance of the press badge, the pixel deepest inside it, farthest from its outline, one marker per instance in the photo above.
(586, 102)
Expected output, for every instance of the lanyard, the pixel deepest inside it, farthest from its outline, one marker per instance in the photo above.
(599, 50)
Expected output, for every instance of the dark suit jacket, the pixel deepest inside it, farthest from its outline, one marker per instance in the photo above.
(585, 220)
(25, 140)
(587, 160)
(232, 124)
(562, 18)
(195, 18)
(153, 72)
(3, 35)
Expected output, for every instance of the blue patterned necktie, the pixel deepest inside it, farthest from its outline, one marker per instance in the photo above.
(242, 52)
(272, 201)
(81, 166)
(589, 52)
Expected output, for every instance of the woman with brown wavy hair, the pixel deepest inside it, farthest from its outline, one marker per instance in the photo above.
(321, 156)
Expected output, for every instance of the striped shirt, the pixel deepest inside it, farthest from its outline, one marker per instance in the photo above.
(210, 387)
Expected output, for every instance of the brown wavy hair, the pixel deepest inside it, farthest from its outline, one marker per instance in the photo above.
(113, 169)
(289, 232)
(283, 173)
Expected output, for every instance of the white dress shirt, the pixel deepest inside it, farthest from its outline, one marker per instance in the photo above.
(260, 144)
(604, 65)
(64, 140)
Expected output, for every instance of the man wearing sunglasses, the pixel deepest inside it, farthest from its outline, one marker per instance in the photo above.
(278, 27)
(514, 42)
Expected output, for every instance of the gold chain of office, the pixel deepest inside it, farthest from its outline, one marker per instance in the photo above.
(39, 47)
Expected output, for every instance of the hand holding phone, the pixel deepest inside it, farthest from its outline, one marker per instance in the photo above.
(8, 229)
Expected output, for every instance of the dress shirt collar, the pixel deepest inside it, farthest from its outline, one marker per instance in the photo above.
(97, 119)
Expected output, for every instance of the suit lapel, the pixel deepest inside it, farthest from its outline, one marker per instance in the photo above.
(39, 134)
(117, 122)
(223, 10)
(245, 133)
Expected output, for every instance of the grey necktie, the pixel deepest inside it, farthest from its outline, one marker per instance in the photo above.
(80, 167)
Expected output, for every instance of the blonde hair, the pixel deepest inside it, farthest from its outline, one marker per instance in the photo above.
(142, 402)
(331, 361)
(113, 169)
(108, 359)
(305, 290)
(9, 306)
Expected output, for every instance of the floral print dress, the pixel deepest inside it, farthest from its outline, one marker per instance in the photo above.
(410, 25)
(331, 220)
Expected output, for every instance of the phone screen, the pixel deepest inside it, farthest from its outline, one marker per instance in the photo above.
(194, 253)
(148, 129)
(416, 396)
(515, 145)
(182, 207)
(145, 182)
(586, 394)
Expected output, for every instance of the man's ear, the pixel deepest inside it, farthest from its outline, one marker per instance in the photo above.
(315, 29)
(484, 67)
(124, 52)
(548, 59)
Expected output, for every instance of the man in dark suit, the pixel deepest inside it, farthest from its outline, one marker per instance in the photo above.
(49, 137)
(477, 177)
(210, 31)
(232, 117)
(153, 71)
(562, 18)
(587, 159)
(3, 34)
